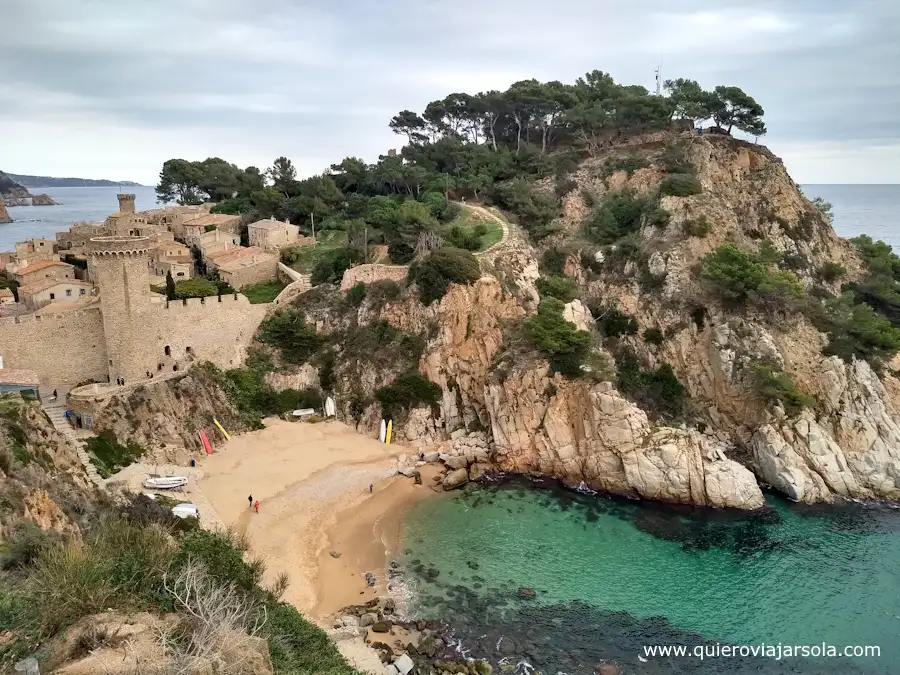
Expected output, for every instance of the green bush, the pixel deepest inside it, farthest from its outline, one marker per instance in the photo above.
(534, 210)
(406, 392)
(831, 271)
(287, 330)
(775, 386)
(855, 330)
(25, 543)
(463, 239)
(794, 261)
(382, 291)
(439, 269)
(739, 275)
(264, 292)
(618, 216)
(198, 287)
(564, 345)
(356, 295)
(658, 217)
(327, 379)
(222, 554)
(629, 164)
(561, 288)
(109, 455)
(697, 227)
(331, 265)
(553, 261)
(657, 391)
(768, 254)
(680, 185)
(613, 323)
(654, 336)
(675, 159)
(298, 646)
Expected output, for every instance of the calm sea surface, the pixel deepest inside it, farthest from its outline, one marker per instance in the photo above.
(858, 209)
(611, 576)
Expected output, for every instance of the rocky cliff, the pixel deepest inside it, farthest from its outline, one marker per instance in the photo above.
(4, 214)
(16, 194)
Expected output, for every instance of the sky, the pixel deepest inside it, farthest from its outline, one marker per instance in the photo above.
(103, 89)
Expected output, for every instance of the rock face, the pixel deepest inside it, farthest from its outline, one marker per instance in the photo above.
(16, 194)
(4, 214)
(592, 434)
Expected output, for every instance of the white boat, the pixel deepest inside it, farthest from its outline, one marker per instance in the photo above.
(185, 511)
(382, 432)
(165, 482)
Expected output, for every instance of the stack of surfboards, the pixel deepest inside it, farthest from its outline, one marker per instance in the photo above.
(384, 435)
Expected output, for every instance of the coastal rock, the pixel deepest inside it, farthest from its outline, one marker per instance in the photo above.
(590, 433)
(367, 619)
(456, 463)
(4, 214)
(455, 479)
(575, 312)
(404, 664)
(381, 627)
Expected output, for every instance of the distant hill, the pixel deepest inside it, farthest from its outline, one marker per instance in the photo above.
(50, 182)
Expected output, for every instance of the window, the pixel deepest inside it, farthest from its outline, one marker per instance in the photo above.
(68, 292)
(80, 291)
(53, 296)
(168, 350)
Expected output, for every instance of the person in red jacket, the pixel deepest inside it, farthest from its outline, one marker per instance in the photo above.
(256, 505)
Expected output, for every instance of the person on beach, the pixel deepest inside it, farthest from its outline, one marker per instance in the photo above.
(250, 501)
(370, 488)
(256, 505)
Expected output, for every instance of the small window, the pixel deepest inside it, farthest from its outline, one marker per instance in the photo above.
(53, 296)
(68, 292)
(168, 350)
(80, 291)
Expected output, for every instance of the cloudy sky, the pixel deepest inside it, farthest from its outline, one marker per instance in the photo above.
(103, 89)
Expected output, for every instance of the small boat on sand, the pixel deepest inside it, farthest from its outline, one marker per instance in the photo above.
(185, 511)
(165, 482)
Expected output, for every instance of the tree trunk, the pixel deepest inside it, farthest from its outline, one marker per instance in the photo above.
(493, 134)
(518, 133)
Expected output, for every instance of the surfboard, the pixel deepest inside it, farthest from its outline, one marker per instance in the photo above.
(383, 432)
(329, 407)
(390, 427)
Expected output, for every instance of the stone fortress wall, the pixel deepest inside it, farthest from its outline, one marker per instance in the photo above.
(132, 333)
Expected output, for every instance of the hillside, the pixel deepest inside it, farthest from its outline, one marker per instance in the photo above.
(670, 318)
(15, 194)
(37, 182)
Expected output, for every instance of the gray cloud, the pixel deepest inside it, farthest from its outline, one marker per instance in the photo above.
(139, 82)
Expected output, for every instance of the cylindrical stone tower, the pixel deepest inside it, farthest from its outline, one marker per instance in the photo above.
(126, 203)
(121, 274)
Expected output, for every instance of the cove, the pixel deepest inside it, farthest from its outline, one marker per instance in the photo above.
(611, 576)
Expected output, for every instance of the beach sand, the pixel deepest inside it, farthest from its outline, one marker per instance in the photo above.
(312, 482)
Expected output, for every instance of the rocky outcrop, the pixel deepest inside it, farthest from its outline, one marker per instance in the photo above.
(588, 432)
(4, 214)
(16, 194)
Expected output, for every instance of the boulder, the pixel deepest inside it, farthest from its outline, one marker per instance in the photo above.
(404, 664)
(367, 619)
(431, 457)
(389, 606)
(348, 621)
(381, 627)
(456, 462)
(455, 479)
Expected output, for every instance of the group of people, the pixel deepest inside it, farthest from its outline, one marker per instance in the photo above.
(253, 504)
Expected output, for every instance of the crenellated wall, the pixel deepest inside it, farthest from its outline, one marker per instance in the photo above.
(369, 273)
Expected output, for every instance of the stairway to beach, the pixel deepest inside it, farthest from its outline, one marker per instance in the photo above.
(57, 416)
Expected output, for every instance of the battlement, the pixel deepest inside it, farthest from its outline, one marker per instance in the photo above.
(126, 202)
(188, 304)
(119, 245)
(45, 318)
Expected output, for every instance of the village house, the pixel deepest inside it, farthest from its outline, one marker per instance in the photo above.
(79, 234)
(180, 267)
(215, 241)
(6, 297)
(44, 269)
(244, 266)
(273, 234)
(196, 226)
(45, 291)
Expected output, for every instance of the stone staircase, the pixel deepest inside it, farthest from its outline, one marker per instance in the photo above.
(57, 416)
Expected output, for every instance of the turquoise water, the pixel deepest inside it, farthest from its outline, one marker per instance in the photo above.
(612, 575)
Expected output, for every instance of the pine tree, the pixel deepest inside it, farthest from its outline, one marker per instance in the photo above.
(170, 286)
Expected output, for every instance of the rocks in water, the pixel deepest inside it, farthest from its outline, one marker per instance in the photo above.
(607, 669)
(381, 626)
(404, 664)
(389, 606)
(370, 578)
(455, 479)
(335, 554)
(526, 593)
(367, 619)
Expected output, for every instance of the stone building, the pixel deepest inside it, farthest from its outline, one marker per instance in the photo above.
(131, 333)
(46, 291)
(216, 241)
(244, 266)
(196, 226)
(44, 269)
(272, 234)
(79, 235)
(6, 297)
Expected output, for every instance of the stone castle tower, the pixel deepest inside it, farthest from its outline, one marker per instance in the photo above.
(126, 203)
(120, 268)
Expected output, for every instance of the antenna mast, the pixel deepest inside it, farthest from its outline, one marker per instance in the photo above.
(659, 77)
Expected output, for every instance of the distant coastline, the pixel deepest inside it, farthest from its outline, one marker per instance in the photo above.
(34, 182)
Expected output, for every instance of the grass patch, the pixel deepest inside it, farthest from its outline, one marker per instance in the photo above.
(110, 455)
(304, 258)
(267, 291)
(468, 228)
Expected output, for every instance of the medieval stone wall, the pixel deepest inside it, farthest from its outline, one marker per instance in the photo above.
(64, 349)
(369, 273)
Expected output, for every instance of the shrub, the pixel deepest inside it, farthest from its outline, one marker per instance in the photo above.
(734, 272)
(768, 254)
(831, 271)
(680, 185)
(110, 455)
(629, 164)
(856, 331)
(619, 215)
(440, 268)
(658, 217)
(553, 261)
(464, 239)
(356, 295)
(654, 336)
(382, 291)
(561, 288)
(613, 323)
(286, 329)
(675, 160)
(696, 227)
(657, 391)
(198, 287)
(327, 379)
(25, 543)
(563, 344)
(406, 392)
(824, 208)
(221, 554)
(299, 646)
(794, 261)
(331, 265)
(564, 185)
(534, 210)
(775, 386)
(400, 252)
